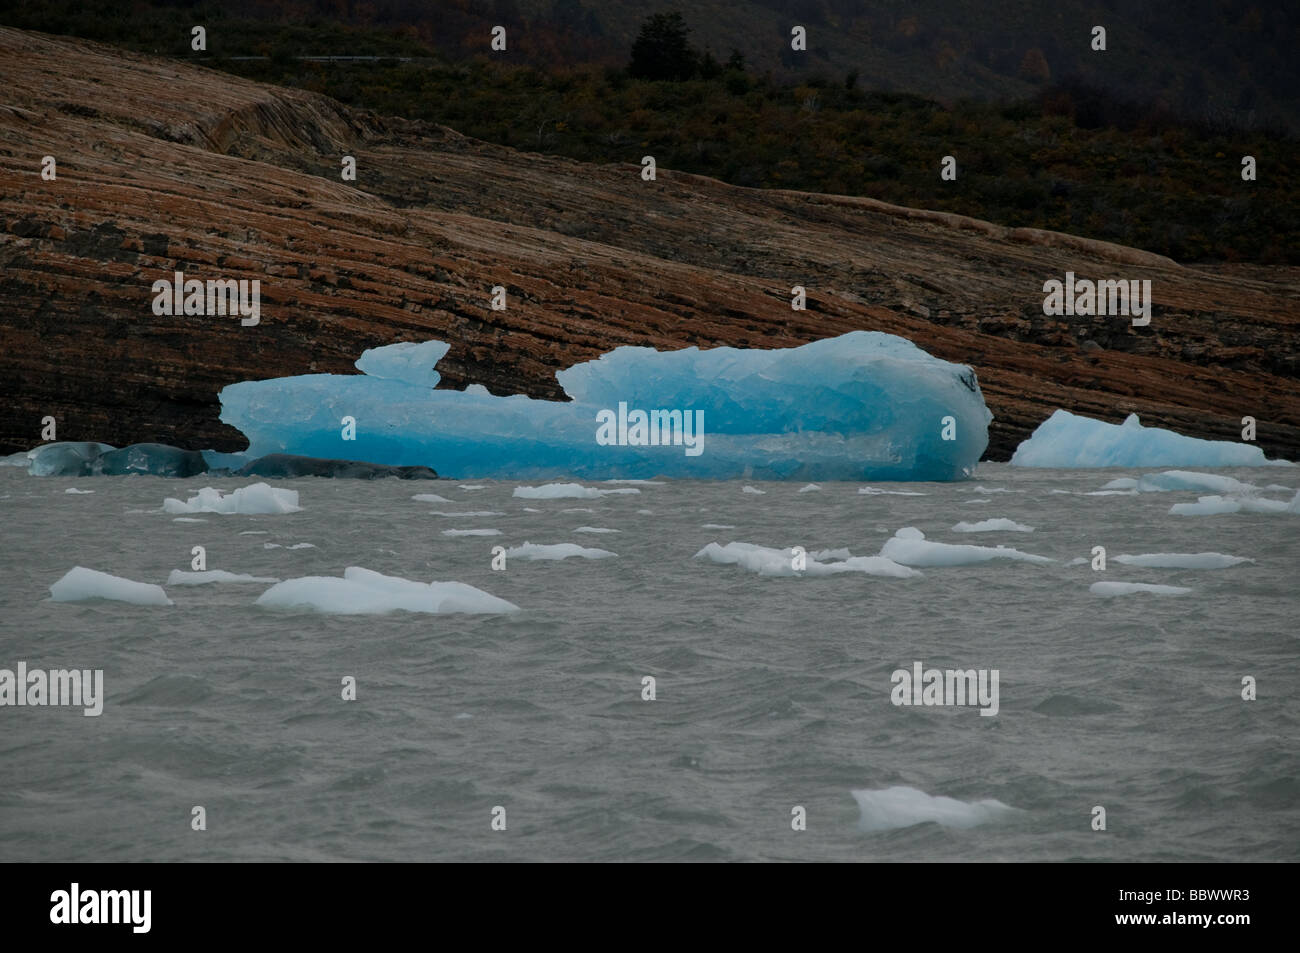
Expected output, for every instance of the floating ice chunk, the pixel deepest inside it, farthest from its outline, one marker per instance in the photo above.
(257, 498)
(1129, 588)
(1182, 560)
(752, 490)
(717, 526)
(80, 583)
(180, 577)
(556, 551)
(1214, 505)
(594, 529)
(188, 519)
(858, 406)
(471, 532)
(1066, 440)
(216, 460)
(253, 532)
(154, 459)
(407, 362)
(1111, 493)
(1191, 480)
(910, 547)
(876, 491)
(430, 498)
(363, 592)
(65, 458)
(474, 513)
(73, 489)
(983, 500)
(767, 561)
(902, 806)
(1120, 483)
(810, 488)
(580, 509)
(19, 459)
(639, 482)
(993, 526)
(471, 486)
(567, 491)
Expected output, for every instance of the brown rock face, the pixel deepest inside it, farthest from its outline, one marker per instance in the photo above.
(165, 167)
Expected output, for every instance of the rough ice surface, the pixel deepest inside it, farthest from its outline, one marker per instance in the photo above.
(767, 561)
(256, 498)
(1182, 560)
(1214, 505)
(904, 806)
(861, 406)
(81, 583)
(532, 551)
(1068, 441)
(566, 491)
(365, 592)
(1131, 588)
(181, 577)
(993, 526)
(910, 547)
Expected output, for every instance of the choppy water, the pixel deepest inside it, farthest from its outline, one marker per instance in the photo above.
(771, 692)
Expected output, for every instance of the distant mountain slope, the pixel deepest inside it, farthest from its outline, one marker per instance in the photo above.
(1207, 59)
(164, 166)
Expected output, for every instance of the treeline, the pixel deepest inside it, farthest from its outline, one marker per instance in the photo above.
(1070, 159)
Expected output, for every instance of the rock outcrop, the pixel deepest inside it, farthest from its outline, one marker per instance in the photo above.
(163, 166)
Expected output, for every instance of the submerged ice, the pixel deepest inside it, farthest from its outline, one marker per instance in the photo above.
(864, 405)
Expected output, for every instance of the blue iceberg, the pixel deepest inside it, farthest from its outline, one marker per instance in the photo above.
(862, 406)
(1067, 441)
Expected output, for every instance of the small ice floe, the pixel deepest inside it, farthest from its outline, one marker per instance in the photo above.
(1182, 560)
(75, 491)
(254, 532)
(567, 491)
(767, 561)
(534, 551)
(810, 488)
(752, 490)
(902, 806)
(474, 513)
(993, 526)
(877, 491)
(430, 498)
(637, 482)
(188, 519)
(910, 547)
(472, 486)
(180, 577)
(594, 529)
(1130, 588)
(717, 526)
(257, 498)
(364, 592)
(80, 583)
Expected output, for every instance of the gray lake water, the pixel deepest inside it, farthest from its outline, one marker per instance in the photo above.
(772, 692)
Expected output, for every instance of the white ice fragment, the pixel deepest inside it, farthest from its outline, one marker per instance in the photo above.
(471, 532)
(430, 498)
(257, 498)
(180, 577)
(556, 551)
(767, 561)
(80, 583)
(1182, 560)
(1129, 588)
(910, 547)
(902, 806)
(993, 526)
(362, 591)
(566, 491)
